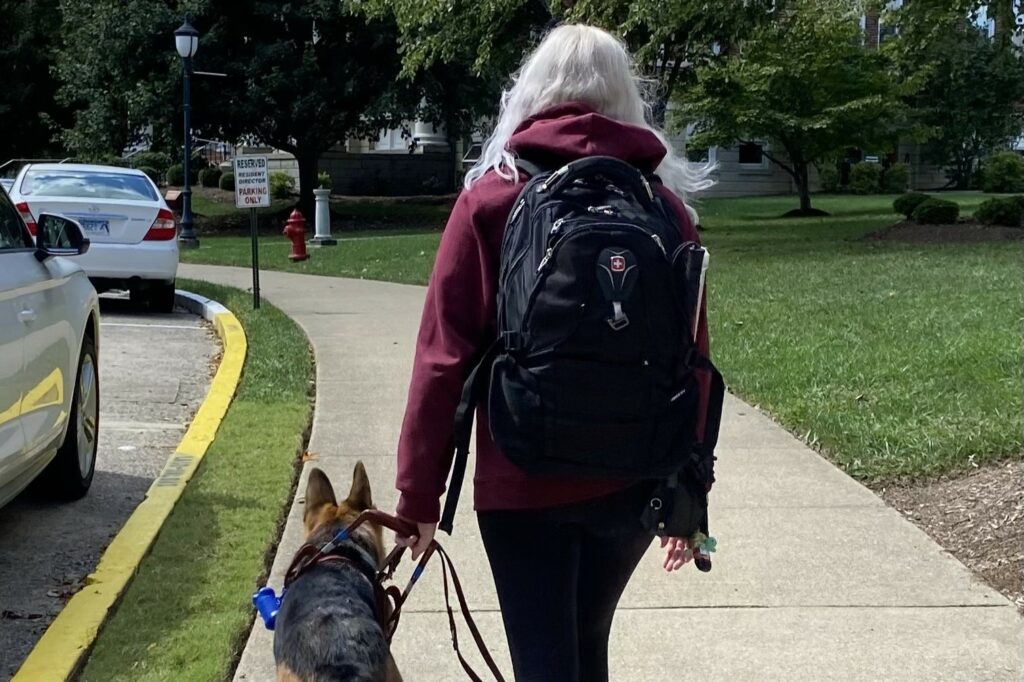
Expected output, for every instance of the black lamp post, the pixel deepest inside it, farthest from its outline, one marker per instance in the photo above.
(186, 40)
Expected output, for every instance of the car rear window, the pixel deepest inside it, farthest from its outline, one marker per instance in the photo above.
(87, 185)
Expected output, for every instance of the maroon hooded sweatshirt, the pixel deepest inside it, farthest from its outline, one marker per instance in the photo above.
(460, 321)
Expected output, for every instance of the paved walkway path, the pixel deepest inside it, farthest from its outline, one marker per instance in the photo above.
(815, 577)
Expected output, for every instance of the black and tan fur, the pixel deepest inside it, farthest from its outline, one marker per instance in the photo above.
(327, 629)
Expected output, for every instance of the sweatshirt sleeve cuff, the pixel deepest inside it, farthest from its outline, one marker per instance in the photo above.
(419, 508)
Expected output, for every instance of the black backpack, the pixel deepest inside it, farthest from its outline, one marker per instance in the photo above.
(593, 370)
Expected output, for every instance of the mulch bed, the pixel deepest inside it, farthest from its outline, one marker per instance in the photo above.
(977, 517)
(960, 233)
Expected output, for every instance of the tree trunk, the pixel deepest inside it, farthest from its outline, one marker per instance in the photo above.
(309, 163)
(803, 185)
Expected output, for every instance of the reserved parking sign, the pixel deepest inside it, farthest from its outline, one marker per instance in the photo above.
(252, 182)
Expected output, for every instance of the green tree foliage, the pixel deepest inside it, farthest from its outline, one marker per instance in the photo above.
(471, 46)
(965, 97)
(804, 83)
(457, 54)
(673, 39)
(300, 76)
(116, 69)
(29, 116)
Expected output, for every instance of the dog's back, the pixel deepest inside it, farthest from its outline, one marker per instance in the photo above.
(327, 629)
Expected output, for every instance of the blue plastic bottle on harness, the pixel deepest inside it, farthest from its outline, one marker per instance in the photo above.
(267, 604)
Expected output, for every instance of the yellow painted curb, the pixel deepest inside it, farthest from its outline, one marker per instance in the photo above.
(62, 648)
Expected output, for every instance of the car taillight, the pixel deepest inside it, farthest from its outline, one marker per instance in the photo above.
(27, 216)
(163, 228)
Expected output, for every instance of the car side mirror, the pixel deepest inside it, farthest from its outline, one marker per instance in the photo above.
(59, 236)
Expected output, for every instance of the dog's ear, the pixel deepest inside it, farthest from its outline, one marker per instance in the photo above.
(318, 492)
(359, 497)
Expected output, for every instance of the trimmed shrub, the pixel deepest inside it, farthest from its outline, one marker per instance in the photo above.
(1007, 211)
(282, 185)
(865, 178)
(176, 175)
(323, 180)
(828, 177)
(895, 179)
(209, 177)
(937, 212)
(156, 160)
(1004, 172)
(153, 174)
(908, 203)
(227, 181)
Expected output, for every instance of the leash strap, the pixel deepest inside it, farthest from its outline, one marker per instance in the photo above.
(398, 598)
(446, 566)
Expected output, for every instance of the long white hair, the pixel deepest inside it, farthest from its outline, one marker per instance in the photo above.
(578, 63)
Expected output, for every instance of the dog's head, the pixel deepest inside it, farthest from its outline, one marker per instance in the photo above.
(324, 513)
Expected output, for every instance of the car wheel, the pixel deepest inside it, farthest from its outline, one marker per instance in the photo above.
(70, 473)
(157, 297)
(160, 297)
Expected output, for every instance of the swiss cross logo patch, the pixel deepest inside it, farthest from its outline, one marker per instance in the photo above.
(618, 264)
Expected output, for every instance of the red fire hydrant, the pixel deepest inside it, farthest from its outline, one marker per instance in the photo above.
(295, 230)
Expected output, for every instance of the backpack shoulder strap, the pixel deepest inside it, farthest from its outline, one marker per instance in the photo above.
(472, 393)
(529, 167)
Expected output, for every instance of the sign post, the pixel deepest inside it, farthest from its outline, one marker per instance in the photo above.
(252, 190)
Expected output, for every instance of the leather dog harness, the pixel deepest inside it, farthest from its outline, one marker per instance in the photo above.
(389, 599)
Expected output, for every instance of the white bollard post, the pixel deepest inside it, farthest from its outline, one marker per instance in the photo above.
(322, 225)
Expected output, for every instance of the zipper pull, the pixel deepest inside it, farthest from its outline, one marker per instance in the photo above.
(545, 259)
(647, 186)
(661, 245)
(515, 213)
(551, 179)
(556, 226)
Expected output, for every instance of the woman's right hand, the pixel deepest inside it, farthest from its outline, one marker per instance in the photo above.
(417, 543)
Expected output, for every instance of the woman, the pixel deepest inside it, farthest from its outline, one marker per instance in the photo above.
(561, 550)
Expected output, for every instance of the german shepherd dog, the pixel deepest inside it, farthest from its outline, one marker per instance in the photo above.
(327, 628)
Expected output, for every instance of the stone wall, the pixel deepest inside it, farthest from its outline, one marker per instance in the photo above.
(389, 174)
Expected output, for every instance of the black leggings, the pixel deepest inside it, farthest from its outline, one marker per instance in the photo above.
(559, 573)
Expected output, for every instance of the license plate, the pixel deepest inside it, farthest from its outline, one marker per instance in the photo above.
(96, 226)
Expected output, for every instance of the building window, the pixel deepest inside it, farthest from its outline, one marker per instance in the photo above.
(751, 154)
(700, 154)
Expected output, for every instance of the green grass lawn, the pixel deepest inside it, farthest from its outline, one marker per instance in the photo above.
(203, 205)
(187, 611)
(894, 359)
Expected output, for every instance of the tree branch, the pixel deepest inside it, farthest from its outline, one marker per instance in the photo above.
(771, 158)
(670, 83)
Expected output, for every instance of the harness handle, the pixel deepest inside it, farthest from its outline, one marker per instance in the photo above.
(398, 599)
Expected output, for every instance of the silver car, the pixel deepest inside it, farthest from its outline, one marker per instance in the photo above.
(49, 353)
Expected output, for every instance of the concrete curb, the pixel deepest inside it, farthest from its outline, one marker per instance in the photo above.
(63, 647)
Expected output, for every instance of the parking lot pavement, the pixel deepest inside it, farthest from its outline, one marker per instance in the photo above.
(154, 373)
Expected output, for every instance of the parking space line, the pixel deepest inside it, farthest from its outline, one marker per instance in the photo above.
(67, 641)
(150, 326)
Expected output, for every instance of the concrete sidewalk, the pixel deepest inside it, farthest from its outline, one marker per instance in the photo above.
(815, 578)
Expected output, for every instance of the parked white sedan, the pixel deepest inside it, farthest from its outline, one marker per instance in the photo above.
(131, 228)
(49, 352)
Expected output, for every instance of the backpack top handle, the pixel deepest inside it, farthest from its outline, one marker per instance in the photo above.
(616, 170)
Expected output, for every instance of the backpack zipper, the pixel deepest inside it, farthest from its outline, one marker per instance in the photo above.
(557, 226)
